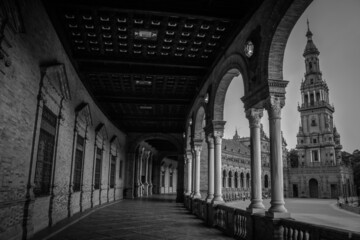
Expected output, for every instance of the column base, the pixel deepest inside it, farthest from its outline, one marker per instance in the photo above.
(209, 198)
(258, 211)
(197, 195)
(256, 204)
(217, 200)
(277, 215)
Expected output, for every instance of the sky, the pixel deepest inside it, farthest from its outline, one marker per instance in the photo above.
(336, 33)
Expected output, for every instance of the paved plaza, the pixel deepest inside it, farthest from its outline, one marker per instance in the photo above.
(159, 217)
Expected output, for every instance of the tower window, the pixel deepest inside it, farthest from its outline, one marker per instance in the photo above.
(310, 65)
(311, 81)
(314, 140)
(313, 122)
(315, 156)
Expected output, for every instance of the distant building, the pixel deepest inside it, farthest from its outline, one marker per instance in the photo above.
(320, 171)
(236, 166)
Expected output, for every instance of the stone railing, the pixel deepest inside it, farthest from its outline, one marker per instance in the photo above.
(234, 194)
(242, 225)
(292, 229)
(234, 222)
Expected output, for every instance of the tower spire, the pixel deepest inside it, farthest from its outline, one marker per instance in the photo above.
(310, 46)
(308, 33)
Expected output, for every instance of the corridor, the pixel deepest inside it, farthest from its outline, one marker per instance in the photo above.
(158, 217)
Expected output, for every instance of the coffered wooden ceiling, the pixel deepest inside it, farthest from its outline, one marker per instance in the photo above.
(144, 61)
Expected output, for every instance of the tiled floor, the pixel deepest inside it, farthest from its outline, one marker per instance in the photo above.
(154, 218)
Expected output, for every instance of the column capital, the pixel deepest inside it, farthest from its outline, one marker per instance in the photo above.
(274, 105)
(197, 143)
(254, 116)
(210, 141)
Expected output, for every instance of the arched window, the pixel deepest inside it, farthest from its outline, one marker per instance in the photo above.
(224, 178)
(171, 179)
(162, 178)
(230, 180)
(266, 181)
(242, 180)
(247, 180)
(236, 179)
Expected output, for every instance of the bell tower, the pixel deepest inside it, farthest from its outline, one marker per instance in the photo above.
(318, 141)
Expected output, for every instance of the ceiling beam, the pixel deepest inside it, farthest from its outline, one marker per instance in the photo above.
(146, 118)
(97, 61)
(147, 70)
(143, 100)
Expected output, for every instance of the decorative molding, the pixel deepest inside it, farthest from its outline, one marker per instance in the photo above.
(277, 87)
(114, 145)
(83, 117)
(57, 72)
(100, 135)
(54, 85)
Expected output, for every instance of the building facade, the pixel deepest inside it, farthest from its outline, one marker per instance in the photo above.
(320, 171)
(236, 166)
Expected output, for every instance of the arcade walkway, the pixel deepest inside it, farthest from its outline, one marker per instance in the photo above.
(158, 217)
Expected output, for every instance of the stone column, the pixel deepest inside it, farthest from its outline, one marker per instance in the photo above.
(146, 184)
(314, 96)
(189, 170)
(254, 116)
(218, 128)
(277, 209)
(150, 191)
(140, 173)
(210, 142)
(197, 147)
(193, 173)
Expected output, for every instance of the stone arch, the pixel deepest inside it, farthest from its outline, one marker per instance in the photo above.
(274, 62)
(199, 122)
(168, 137)
(231, 67)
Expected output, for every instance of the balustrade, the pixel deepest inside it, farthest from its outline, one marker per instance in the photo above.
(241, 224)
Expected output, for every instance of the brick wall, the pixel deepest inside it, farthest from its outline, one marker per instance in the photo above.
(20, 84)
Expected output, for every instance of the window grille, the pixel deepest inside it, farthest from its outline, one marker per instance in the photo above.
(112, 171)
(78, 163)
(98, 165)
(45, 154)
